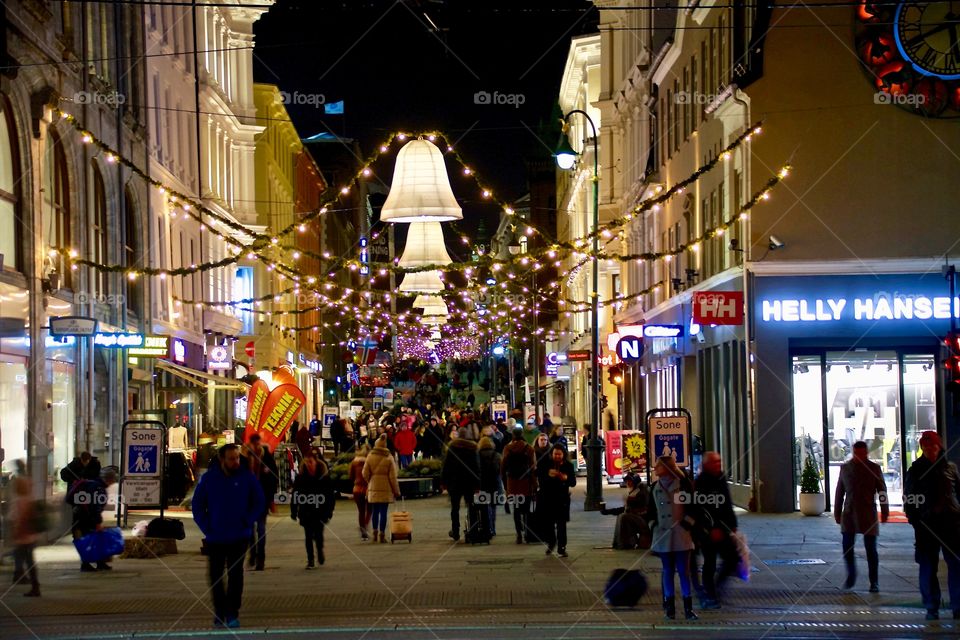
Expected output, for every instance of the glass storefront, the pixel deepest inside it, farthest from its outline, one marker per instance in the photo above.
(63, 417)
(13, 410)
(883, 397)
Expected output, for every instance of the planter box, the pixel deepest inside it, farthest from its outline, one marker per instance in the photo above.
(416, 487)
(812, 504)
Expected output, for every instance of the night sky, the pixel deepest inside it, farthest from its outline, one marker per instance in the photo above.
(394, 71)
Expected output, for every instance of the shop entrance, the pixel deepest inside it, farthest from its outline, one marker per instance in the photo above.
(885, 398)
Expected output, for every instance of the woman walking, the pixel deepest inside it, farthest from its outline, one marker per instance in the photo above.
(380, 472)
(554, 501)
(313, 501)
(360, 491)
(25, 535)
(519, 469)
(670, 523)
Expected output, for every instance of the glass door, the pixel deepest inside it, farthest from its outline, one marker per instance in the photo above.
(807, 415)
(919, 402)
(863, 403)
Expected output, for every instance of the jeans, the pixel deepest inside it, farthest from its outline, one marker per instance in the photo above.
(928, 557)
(675, 562)
(405, 460)
(455, 497)
(492, 518)
(25, 565)
(521, 512)
(363, 510)
(379, 516)
(727, 551)
(229, 556)
(258, 543)
(313, 535)
(873, 559)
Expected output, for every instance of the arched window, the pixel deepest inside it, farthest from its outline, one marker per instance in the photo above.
(98, 232)
(56, 197)
(9, 191)
(131, 254)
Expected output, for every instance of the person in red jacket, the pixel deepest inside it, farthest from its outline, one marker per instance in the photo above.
(405, 442)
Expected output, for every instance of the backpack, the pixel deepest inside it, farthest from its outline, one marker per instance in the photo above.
(517, 464)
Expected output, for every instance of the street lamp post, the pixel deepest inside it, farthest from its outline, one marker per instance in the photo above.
(566, 158)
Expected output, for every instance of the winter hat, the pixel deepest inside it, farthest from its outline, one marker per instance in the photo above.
(382, 441)
(931, 437)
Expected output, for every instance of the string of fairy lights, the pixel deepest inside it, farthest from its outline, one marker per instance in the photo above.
(281, 257)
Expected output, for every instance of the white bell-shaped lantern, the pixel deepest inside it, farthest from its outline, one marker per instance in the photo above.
(433, 320)
(422, 282)
(431, 305)
(424, 246)
(421, 189)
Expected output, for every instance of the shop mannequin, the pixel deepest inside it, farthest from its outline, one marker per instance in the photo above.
(177, 437)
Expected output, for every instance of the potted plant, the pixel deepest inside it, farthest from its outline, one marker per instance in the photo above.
(812, 500)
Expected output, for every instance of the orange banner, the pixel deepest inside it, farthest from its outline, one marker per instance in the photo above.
(256, 398)
(280, 410)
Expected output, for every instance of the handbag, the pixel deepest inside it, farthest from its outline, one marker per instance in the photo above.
(99, 545)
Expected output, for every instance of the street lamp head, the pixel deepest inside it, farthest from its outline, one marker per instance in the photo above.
(565, 155)
(514, 249)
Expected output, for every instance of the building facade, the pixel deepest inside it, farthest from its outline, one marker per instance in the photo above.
(699, 81)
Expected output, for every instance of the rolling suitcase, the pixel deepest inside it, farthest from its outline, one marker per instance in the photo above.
(401, 524)
(477, 530)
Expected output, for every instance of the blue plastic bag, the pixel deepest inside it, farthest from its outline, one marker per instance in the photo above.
(99, 545)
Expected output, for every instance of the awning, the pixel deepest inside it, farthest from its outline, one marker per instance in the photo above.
(201, 378)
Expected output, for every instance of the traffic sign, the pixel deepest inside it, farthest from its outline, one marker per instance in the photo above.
(630, 349)
(142, 463)
(669, 435)
(499, 411)
(143, 452)
(250, 349)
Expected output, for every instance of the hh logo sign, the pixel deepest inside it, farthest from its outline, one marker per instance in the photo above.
(718, 307)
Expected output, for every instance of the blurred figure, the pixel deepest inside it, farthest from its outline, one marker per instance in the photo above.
(83, 467)
(519, 469)
(380, 472)
(719, 524)
(88, 498)
(25, 533)
(490, 483)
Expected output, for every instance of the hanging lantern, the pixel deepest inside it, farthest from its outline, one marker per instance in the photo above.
(424, 246)
(421, 189)
(431, 305)
(422, 282)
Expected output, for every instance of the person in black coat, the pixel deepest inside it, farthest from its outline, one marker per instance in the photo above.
(716, 524)
(83, 467)
(553, 503)
(460, 475)
(262, 464)
(312, 502)
(490, 482)
(88, 497)
(931, 500)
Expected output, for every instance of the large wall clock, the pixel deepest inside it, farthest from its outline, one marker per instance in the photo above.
(911, 53)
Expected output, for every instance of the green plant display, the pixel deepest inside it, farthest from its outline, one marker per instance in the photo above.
(810, 478)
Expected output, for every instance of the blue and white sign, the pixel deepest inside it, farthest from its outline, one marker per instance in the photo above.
(143, 450)
(499, 411)
(670, 436)
(329, 416)
(630, 349)
(663, 331)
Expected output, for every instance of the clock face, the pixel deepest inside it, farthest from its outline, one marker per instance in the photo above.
(910, 51)
(928, 35)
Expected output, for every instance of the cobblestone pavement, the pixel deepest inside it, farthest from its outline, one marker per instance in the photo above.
(435, 588)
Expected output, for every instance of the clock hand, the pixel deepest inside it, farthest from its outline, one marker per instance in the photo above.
(920, 37)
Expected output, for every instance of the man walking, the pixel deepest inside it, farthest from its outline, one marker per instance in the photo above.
(712, 499)
(932, 505)
(460, 474)
(855, 510)
(226, 502)
(262, 465)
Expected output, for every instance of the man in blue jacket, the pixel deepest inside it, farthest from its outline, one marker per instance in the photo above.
(227, 501)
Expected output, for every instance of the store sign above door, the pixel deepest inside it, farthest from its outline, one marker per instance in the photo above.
(73, 326)
(718, 307)
(882, 306)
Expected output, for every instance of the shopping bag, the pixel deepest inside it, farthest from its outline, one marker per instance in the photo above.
(99, 545)
(743, 554)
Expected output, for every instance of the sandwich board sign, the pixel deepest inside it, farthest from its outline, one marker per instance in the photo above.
(144, 446)
(668, 433)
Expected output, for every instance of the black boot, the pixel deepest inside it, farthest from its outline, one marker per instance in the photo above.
(669, 608)
(688, 608)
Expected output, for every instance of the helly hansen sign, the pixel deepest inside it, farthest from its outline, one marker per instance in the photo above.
(718, 307)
